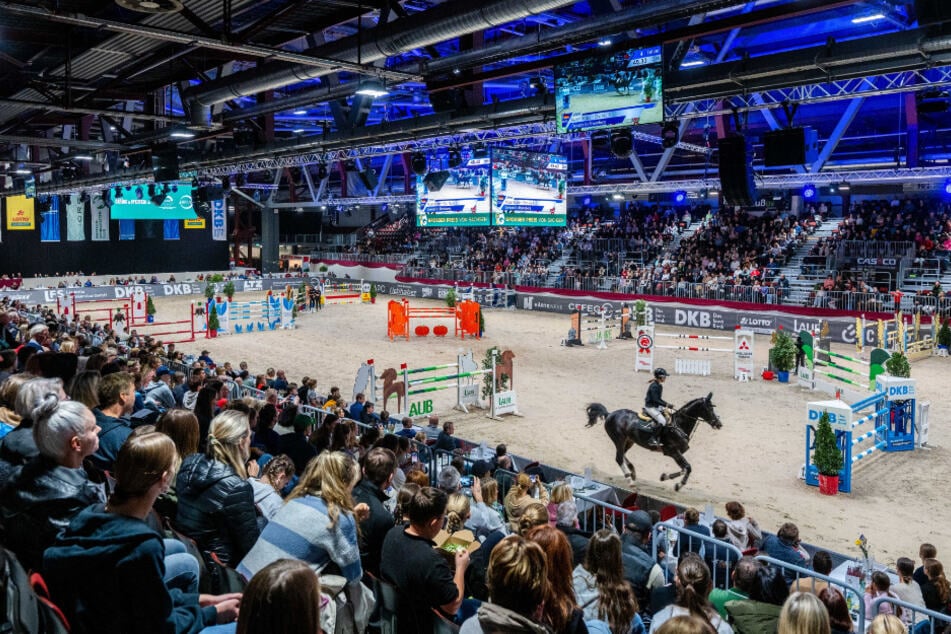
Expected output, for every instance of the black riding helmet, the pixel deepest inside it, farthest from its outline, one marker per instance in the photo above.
(660, 373)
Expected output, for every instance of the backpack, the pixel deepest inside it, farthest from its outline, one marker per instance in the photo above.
(24, 602)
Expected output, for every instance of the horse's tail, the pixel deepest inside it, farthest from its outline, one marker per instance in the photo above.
(595, 412)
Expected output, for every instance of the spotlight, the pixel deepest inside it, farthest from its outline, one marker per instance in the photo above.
(809, 192)
(834, 187)
(419, 163)
(239, 180)
(455, 157)
(947, 187)
(670, 134)
(622, 144)
(226, 183)
(118, 193)
(844, 187)
(322, 172)
(680, 197)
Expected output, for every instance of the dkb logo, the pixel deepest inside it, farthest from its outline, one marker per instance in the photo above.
(695, 318)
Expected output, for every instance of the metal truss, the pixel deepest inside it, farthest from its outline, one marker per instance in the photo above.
(520, 136)
(886, 84)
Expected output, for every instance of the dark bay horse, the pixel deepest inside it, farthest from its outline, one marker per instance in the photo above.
(625, 430)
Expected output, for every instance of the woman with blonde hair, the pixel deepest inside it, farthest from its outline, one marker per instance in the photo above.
(523, 493)
(457, 512)
(887, 624)
(84, 387)
(686, 625)
(215, 501)
(535, 514)
(8, 398)
(803, 613)
(318, 523)
(601, 589)
(561, 492)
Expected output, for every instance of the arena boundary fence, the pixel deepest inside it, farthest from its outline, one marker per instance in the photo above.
(744, 342)
(183, 327)
(893, 427)
(121, 314)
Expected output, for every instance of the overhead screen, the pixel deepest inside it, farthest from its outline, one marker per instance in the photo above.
(610, 90)
(529, 188)
(456, 197)
(172, 201)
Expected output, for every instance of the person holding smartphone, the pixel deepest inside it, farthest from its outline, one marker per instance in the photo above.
(527, 490)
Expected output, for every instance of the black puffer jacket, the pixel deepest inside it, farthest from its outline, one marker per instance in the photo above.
(38, 503)
(216, 508)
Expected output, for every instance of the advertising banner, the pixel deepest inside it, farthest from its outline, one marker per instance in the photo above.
(20, 213)
(49, 222)
(219, 220)
(99, 218)
(75, 218)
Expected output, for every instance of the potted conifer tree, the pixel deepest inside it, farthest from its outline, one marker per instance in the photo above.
(213, 323)
(827, 457)
(944, 336)
(783, 355)
(149, 309)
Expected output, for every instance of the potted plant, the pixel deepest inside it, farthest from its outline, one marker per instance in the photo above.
(944, 336)
(897, 365)
(323, 268)
(640, 312)
(149, 310)
(783, 355)
(213, 323)
(451, 298)
(228, 290)
(373, 295)
(827, 457)
(210, 291)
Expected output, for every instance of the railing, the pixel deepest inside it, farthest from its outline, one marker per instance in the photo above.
(389, 258)
(854, 597)
(925, 621)
(815, 267)
(875, 249)
(720, 556)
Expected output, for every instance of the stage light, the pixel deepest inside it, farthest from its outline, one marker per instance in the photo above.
(322, 172)
(455, 157)
(680, 197)
(947, 187)
(809, 192)
(419, 163)
(622, 143)
(670, 134)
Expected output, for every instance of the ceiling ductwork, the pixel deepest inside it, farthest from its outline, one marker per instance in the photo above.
(436, 25)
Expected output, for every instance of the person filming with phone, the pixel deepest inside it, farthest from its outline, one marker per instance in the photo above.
(527, 489)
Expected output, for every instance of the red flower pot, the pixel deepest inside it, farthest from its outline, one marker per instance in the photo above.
(828, 485)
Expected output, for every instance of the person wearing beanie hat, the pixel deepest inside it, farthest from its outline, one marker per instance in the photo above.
(640, 569)
(158, 393)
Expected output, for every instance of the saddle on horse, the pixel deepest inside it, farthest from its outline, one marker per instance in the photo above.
(650, 427)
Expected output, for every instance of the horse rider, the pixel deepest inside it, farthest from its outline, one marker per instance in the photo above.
(654, 405)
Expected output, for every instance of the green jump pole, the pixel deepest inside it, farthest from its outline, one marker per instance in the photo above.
(841, 378)
(844, 368)
(433, 379)
(431, 389)
(433, 367)
(845, 356)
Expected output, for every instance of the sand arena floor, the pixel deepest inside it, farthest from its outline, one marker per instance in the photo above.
(897, 499)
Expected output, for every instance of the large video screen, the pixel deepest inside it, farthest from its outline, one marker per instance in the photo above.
(529, 188)
(610, 90)
(457, 197)
(167, 201)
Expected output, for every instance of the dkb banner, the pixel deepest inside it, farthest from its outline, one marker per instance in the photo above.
(75, 219)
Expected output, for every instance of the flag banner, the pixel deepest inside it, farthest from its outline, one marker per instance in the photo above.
(75, 218)
(127, 229)
(49, 222)
(194, 223)
(20, 213)
(99, 218)
(173, 230)
(219, 220)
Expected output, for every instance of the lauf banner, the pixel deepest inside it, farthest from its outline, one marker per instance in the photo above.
(75, 218)
(20, 214)
(219, 220)
(99, 215)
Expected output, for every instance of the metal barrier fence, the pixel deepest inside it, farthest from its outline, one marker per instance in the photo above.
(919, 620)
(720, 556)
(854, 596)
(874, 249)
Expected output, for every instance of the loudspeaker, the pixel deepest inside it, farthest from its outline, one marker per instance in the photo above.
(932, 11)
(736, 170)
(164, 163)
(435, 180)
(795, 146)
(449, 100)
(368, 178)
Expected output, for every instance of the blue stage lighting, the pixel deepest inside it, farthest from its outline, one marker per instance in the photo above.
(680, 197)
(809, 192)
(947, 187)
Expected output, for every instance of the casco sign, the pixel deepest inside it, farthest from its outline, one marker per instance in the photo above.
(877, 261)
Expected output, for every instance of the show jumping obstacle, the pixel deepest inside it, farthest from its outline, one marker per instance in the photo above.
(183, 329)
(271, 313)
(345, 293)
(600, 327)
(105, 310)
(464, 315)
(742, 351)
(893, 427)
(837, 373)
(409, 390)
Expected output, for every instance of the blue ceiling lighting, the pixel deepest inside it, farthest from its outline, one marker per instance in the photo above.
(947, 187)
(680, 197)
(809, 192)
